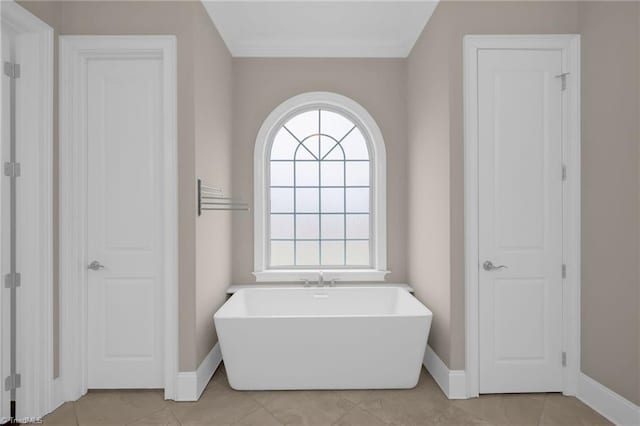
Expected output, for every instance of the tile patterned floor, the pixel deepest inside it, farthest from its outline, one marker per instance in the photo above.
(222, 406)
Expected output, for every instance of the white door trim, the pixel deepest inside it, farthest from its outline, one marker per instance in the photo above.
(569, 45)
(34, 93)
(75, 52)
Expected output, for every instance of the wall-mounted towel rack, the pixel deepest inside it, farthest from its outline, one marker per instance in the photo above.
(210, 198)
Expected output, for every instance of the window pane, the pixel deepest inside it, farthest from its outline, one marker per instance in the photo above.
(357, 173)
(335, 154)
(312, 151)
(355, 147)
(307, 173)
(281, 226)
(284, 145)
(332, 226)
(281, 253)
(358, 200)
(329, 146)
(308, 226)
(334, 124)
(282, 173)
(281, 200)
(332, 200)
(303, 125)
(358, 253)
(358, 226)
(307, 200)
(332, 173)
(332, 253)
(304, 154)
(307, 253)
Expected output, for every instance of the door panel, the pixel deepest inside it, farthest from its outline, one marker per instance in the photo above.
(520, 219)
(129, 305)
(519, 319)
(124, 116)
(519, 167)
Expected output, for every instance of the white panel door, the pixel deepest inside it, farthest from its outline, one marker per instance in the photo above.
(520, 220)
(125, 315)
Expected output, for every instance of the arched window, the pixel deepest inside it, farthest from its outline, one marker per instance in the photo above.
(320, 192)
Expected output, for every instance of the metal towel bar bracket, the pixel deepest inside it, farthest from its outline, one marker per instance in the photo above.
(210, 198)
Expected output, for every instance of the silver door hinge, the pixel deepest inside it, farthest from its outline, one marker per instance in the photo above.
(564, 172)
(12, 280)
(11, 169)
(12, 382)
(563, 78)
(564, 359)
(12, 70)
(564, 270)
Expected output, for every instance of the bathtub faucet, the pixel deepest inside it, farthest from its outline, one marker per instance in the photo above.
(321, 282)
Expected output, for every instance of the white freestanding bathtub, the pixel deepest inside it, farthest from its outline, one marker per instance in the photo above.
(323, 338)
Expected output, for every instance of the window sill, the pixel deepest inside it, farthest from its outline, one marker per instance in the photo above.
(235, 287)
(342, 275)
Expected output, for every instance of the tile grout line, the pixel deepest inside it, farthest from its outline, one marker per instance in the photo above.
(174, 415)
(75, 414)
(250, 413)
(267, 409)
(361, 408)
(342, 416)
(149, 414)
(353, 407)
(373, 414)
(544, 405)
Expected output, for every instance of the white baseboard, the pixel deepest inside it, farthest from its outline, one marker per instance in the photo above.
(57, 394)
(609, 404)
(452, 382)
(606, 402)
(191, 384)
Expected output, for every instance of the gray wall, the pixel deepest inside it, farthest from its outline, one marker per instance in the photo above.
(610, 195)
(610, 186)
(377, 84)
(213, 90)
(204, 142)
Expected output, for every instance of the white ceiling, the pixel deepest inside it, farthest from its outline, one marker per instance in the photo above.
(308, 28)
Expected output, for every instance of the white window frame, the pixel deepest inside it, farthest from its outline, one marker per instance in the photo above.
(378, 159)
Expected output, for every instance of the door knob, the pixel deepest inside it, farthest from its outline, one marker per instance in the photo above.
(489, 266)
(95, 266)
